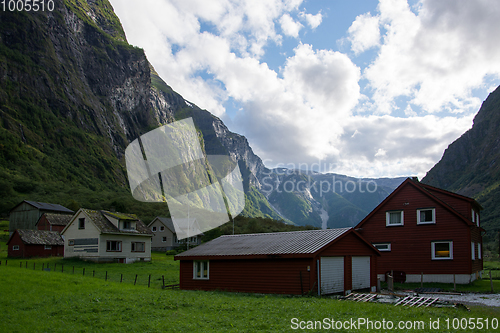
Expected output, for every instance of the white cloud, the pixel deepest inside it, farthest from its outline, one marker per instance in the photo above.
(437, 55)
(364, 33)
(312, 20)
(289, 26)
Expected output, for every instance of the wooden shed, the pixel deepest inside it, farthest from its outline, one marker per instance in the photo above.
(319, 261)
(35, 243)
(26, 214)
(53, 222)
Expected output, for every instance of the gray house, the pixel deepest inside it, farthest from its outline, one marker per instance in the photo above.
(164, 236)
(27, 213)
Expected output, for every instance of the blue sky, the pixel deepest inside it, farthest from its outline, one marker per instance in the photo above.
(362, 88)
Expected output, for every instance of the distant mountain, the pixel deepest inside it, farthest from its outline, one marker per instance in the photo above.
(471, 165)
(74, 94)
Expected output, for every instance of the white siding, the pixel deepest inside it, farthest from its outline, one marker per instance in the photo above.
(360, 272)
(82, 237)
(332, 275)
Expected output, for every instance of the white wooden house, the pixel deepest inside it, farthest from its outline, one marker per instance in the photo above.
(164, 236)
(107, 236)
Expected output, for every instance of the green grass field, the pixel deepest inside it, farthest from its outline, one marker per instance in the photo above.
(33, 299)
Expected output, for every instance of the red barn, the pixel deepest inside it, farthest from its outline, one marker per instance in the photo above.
(336, 260)
(420, 229)
(35, 243)
(53, 222)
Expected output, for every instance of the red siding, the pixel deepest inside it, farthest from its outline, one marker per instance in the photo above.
(43, 224)
(277, 276)
(26, 250)
(411, 243)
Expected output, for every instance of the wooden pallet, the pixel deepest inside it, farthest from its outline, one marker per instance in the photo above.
(417, 301)
(361, 297)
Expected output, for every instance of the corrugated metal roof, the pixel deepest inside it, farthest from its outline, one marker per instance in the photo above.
(49, 206)
(40, 237)
(278, 243)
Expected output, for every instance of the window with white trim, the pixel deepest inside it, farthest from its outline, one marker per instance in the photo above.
(138, 246)
(473, 213)
(162, 229)
(153, 229)
(164, 239)
(113, 246)
(15, 247)
(426, 216)
(47, 247)
(479, 251)
(473, 250)
(442, 250)
(394, 218)
(383, 247)
(200, 270)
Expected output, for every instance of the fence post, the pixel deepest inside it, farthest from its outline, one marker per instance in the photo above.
(93, 273)
(149, 280)
(83, 271)
(163, 281)
(121, 277)
(135, 279)
(491, 282)
(106, 278)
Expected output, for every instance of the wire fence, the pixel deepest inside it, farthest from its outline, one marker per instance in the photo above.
(149, 280)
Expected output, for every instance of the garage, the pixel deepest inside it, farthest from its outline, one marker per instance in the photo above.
(360, 272)
(332, 275)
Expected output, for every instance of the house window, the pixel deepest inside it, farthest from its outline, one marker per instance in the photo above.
(138, 246)
(81, 223)
(162, 229)
(127, 225)
(71, 242)
(382, 246)
(200, 270)
(394, 218)
(47, 247)
(175, 239)
(15, 247)
(479, 251)
(164, 239)
(442, 250)
(153, 229)
(114, 246)
(426, 216)
(473, 251)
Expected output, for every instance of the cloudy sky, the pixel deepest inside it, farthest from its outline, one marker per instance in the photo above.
(358, 87)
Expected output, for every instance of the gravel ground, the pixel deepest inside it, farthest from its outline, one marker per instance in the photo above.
(468, 298)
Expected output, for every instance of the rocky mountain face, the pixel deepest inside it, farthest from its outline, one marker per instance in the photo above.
(74, 94)
(471, 165)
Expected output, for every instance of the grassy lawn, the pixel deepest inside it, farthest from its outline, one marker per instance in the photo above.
(40, 301)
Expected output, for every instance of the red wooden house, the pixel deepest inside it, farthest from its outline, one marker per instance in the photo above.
(53, 222)
(423, 230)
(35, 243)
(336, 260)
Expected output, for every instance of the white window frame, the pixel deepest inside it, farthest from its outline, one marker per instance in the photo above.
(473, 212)
(119, 243)
(388, 218)
(198, 269)
(15, 247)
(473, 250)
(153, 229)
(433, 250)
(164, 239)
(426, 222)
(47, 247)
(162, 229)
(384, 247)
(133, 246)
(479, 251)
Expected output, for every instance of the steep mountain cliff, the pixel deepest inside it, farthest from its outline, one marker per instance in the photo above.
(471, 165)
(74, 94)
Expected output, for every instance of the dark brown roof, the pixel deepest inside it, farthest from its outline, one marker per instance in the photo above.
(106, 227)
(167, 222)
(277, 243)
(39, 237)
(58, 219)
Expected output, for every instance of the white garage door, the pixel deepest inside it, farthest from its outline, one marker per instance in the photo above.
(332, 275)
(360, 272)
